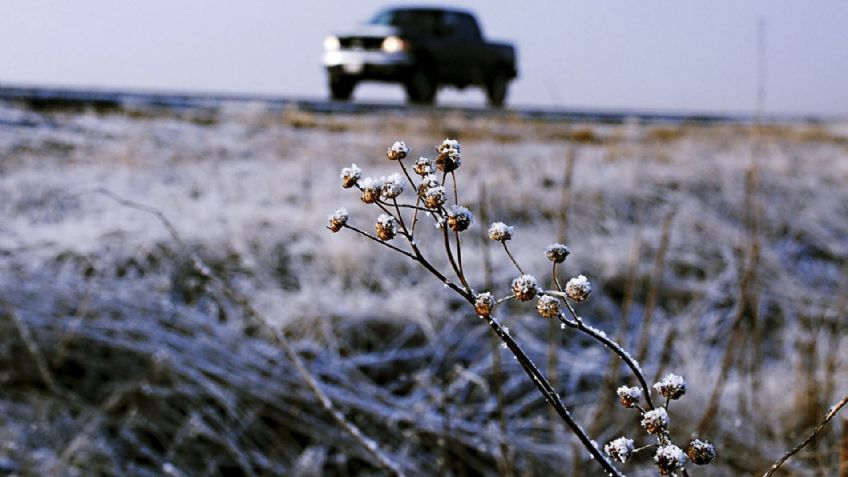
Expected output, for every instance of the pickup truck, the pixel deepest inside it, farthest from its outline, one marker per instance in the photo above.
(423, 49)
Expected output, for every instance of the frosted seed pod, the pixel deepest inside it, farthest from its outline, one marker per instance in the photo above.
(424, 166)
(669, 459)
(524, 287)
(386, 228)
(629, 397)
(372, 187)
(350, 176)
(392, 186)
(578, 288)
(548, 306)
(338, 219)
(428, 182)
(500, 232)
(484, 303)
(449, 157)
(459, 218)
(397, 151)
(655, 421)
(620, 449)
(671, 386)
(700, 452)
(557, 252)
(435, 197)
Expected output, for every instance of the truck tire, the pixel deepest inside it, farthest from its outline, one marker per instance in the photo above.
(421, 87)
(496, 89)
(341, 88)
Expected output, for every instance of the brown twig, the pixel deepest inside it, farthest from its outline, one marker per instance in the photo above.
(830, 414)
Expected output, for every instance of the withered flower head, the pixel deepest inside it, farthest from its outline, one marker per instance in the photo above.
(435, 197)
(484, 303)
(459, 218)
(424, 166)
(620, 449)
(700, 452)
(500, 232)
(350, 176)
(672, 386)
(669, 459)
(386, 227)
(557, 252)
(372, 187)
(578, 288)
(655, 421)
(524, 287)
(397, 151)
(392, 186)
(548, 306)
(338, 219)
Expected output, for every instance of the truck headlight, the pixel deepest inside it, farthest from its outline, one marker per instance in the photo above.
(331, 43)
(394, 44)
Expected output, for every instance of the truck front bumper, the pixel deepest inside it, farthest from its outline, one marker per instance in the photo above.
(364, 64)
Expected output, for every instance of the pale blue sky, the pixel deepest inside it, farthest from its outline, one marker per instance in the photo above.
(654, 54)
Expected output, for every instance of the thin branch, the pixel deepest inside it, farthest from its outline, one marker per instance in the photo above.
(831, 413)
(514, 262)
(387, 244)
(612, 345)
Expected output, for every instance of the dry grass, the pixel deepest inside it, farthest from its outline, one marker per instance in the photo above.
(155, 373)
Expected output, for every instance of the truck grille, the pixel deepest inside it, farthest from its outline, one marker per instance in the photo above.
(361, 42)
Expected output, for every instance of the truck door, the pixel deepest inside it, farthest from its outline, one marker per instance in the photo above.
(462, 48)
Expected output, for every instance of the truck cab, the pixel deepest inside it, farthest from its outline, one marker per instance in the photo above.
(423, 49)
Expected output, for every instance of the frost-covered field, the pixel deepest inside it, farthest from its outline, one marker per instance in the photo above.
(118, 358)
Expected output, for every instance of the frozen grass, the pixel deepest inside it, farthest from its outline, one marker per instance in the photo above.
(154, 373)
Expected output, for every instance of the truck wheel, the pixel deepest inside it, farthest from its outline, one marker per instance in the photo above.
(341, 88)
(496, 90)
(421, 87)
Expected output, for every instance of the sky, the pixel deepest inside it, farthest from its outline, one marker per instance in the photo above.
(694, 56)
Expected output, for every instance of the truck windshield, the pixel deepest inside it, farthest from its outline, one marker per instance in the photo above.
(421, 21)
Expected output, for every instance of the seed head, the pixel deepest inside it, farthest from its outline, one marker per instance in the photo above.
(672, 386)
(424, 166)
(459, 218)
(547, 306)
(500, 232)
(386, 228)
(620, 449)
(629, 396)
(700, 452)
(350, 176)
(372, 187)
(524, 287)
(557, 252)
(428, 182)
(655, 421)
(435, 197)
(392, 186)
(397, 151)
(484, 303)
(669, 458)
(338, 219)
(578, 288)
(449, 157)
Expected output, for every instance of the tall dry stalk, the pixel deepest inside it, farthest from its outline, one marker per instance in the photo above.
(554, 339)
(654, 290)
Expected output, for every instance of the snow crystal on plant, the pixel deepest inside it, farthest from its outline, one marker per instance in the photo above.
(500, 232)
(655, 421)
(669, 458)
(629, 396)
(392, 186)
(398, 150)
(524, 287)
(557, 252)
(424, 166)
(350, 176)
(671, 386)
(620, 449)
(578, 288)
